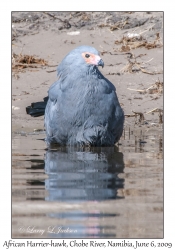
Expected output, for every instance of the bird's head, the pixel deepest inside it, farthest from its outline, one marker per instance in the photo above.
(81, 58)
(92, 59)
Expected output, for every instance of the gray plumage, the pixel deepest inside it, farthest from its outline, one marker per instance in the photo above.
(83, 107)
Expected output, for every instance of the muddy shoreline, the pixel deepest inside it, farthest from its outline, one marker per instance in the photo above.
(131, 45)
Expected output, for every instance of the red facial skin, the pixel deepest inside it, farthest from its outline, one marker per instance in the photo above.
(93, 59)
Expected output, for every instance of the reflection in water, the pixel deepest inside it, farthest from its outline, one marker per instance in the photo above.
(83, 175)
(89, 175)
(76, 176)
(90, 193)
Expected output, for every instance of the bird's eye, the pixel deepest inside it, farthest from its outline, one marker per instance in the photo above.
(87, 55)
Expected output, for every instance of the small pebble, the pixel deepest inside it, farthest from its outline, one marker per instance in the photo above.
(73, 33)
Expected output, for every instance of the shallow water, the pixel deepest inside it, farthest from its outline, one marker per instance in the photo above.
(112, 192)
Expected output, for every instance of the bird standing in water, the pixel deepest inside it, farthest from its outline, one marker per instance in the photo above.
(82, 107)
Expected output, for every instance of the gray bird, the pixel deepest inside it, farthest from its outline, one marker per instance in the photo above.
(82, 106)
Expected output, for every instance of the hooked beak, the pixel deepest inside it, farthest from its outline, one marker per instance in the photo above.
(101, 63)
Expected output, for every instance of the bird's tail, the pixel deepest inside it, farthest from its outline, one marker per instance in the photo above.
(37, 108)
